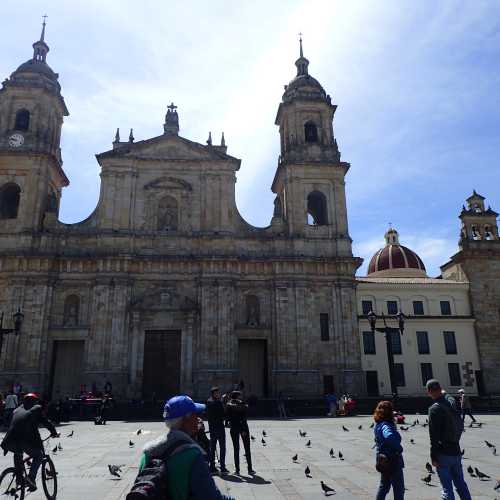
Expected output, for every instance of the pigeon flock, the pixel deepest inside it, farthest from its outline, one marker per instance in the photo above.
(429, 478)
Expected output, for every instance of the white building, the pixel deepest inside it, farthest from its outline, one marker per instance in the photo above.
(439, 338)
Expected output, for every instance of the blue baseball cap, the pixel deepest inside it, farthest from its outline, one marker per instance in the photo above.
(178, 406)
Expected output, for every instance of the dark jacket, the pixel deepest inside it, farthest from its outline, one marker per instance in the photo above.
(236, 411)
(23, 431)
(388, 441)
(187, 469)
(444, 427)
(215, 413)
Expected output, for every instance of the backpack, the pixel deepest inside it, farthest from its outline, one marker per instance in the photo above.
(152, 481)
(455, 427)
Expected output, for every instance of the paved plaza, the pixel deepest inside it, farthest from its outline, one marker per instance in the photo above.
(83, 473)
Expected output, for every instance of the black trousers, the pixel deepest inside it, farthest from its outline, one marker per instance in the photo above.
(218, 434)
(245, 437)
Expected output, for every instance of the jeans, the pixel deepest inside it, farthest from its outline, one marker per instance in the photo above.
(467, 411)
(218, 434)
(396, 480)
(36, 455)
(450, 473)
(235, 436)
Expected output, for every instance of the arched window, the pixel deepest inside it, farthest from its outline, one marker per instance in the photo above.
(71, 310)
(22, 120)
(10, 195)
(310, 132)
(52, 204)
(253, 310)
(317, 214)
(168, 214)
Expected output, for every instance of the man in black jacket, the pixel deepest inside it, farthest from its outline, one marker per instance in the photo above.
(445, 429)
(215, 416)
(23, 436)
(236, 411)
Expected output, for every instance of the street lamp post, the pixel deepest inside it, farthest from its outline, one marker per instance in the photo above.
(17, 318)
(388, 332)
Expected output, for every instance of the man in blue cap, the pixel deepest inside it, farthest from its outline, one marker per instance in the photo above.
(189, 477)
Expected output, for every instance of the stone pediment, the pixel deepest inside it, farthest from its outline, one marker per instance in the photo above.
(169, 184)
(168, 147)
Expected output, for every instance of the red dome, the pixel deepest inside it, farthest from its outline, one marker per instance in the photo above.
(395, 256)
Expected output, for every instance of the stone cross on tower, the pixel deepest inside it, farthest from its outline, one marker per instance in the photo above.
(171, 125)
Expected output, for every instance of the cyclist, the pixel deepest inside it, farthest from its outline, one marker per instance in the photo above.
(23, 436)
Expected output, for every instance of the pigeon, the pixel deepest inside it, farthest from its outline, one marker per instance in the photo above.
(59, 447)
(494, 451)
(114, 470)
(429, 468)
(403, 428)
(264, 433)
(70, 435)
(302, 434)
(341, 456)
(138, 432)
(360, 427)
(488, 444)
(481, 475)
(470, 470)
(307, 471)
(427, 479)
(131, 443)
(308, 443)
(54, 450)
(263, 441)
(412, 441)
(332, 454)
(372, 425)
(294, 458)
(345, 429)
(326, 489)
(252, 438)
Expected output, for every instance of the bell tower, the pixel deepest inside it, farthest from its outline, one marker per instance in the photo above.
(478, 223)
(309, 180)
(32, 110)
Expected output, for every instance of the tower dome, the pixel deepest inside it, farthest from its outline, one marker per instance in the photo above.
(395, 260)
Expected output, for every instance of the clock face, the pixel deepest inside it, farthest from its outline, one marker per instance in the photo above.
(16, 140)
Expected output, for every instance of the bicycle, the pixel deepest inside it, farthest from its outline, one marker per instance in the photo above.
(13, 485)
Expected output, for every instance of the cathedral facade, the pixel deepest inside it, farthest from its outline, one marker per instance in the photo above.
(165, 288)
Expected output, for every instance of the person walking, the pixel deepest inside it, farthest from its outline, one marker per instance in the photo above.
(236, 411)
(281, 406)
(11, 403)
(331, 399)
(187, 469)
(465, 405)
(389, 460)
(215, 417)
(445, 430)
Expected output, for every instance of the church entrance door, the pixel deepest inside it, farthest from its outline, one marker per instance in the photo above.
(162, 364)
(253, 366)
(67, 368)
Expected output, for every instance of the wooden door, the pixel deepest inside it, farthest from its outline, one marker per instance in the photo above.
(162, 364)
(67, 368)
(372, 383)
(253, 366)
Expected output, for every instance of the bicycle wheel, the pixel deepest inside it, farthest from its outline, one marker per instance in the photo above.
(49, 478)
(10, 487)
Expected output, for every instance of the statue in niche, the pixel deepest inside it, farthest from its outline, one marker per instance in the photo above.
(71, 310)
(253, 310)
(168, 214)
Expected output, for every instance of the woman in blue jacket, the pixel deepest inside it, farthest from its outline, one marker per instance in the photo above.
(389, 452)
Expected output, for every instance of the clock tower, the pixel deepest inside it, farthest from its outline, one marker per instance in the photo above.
(32, 110)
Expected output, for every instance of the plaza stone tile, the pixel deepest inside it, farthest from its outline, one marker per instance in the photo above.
(83, 472)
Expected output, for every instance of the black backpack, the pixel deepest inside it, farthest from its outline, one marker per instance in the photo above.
(152, 481)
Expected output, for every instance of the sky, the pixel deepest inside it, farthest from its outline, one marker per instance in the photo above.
(417, 86)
